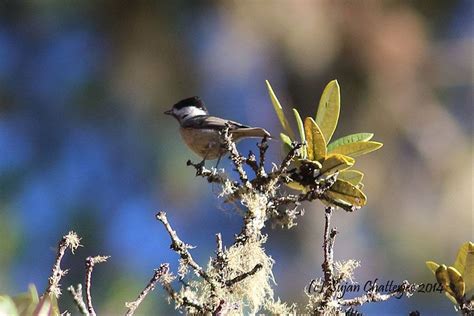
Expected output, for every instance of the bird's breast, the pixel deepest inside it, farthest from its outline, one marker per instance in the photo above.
(204, 142)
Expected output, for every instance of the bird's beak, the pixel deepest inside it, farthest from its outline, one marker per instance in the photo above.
(169, 112)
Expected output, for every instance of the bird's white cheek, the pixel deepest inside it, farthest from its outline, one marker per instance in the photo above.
(189, 112)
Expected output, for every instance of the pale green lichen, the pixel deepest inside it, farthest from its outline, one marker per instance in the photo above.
(280, 308)
(345, 269)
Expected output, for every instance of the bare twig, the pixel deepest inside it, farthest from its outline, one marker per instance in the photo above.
(328, 264)
(263, 146)
(182, 249)
(90, 263)
(78, 298)
(72, 241)
(219, 244)
(243, 276)
(329, 283)
(132, 306)
(289, 158)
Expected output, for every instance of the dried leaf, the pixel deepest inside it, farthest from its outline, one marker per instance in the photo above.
(345, 191)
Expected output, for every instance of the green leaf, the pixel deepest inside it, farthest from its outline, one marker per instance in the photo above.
(314, 138)
(44, 307)
(359, 137)
(328, 109)
(433, 266)
(279, 111)
(286, 143)
(26, 302)
(342, 190)
(335, 163)
(465, 264)
(7, 306)
(299, 122)
(354, 177)
(356, 149)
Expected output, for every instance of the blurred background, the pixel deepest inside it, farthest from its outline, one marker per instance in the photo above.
(84, 145)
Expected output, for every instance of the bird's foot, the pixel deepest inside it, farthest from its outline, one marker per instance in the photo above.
(200, 167)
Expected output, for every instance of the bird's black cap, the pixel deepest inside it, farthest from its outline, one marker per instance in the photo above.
(193, 101)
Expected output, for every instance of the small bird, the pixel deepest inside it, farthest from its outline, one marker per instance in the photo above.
(200, 131)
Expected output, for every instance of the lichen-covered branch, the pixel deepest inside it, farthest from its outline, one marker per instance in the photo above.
(241, 273)
(72, 241)
(165, 279)
(212, 175)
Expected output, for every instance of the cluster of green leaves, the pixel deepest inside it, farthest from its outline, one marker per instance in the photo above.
(327, 158)
(457, 280)
(29, 303)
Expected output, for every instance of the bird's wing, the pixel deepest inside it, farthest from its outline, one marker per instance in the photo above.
(212, 122)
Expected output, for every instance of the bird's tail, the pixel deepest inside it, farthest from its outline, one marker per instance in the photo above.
(249, 132)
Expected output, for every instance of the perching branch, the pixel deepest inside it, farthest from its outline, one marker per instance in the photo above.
(235, 156)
